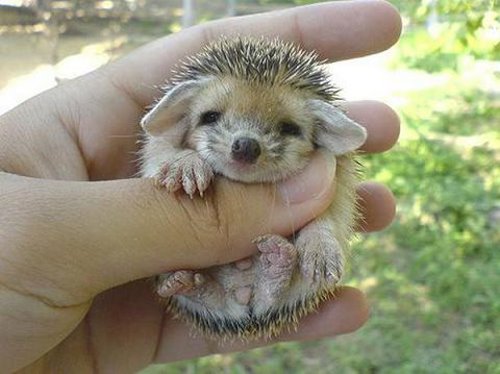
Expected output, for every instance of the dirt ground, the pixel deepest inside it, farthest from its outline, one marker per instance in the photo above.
(26, 67)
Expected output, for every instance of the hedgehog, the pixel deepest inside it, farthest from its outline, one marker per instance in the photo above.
(254, 110)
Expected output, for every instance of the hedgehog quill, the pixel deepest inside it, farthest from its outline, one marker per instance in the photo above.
(254, 110)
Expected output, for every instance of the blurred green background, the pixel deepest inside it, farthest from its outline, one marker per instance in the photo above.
(432, 277)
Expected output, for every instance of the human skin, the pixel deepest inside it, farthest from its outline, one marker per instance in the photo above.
(78, 236)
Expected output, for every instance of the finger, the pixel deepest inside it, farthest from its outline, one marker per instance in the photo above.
(380, 121)
(377, 205)
(344, 314)
(107, 233)
(337, 30)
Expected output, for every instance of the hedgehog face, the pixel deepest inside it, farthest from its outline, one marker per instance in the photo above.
(251, 137)
(249, 131)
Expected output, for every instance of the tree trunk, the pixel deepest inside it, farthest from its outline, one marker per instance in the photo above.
(187, 13)
(231, 8)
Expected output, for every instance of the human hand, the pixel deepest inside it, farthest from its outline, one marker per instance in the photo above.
(73, 252)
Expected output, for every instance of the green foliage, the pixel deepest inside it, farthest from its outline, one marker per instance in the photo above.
(444, 51)
(445, 197)
(462, 29)
(420, 50)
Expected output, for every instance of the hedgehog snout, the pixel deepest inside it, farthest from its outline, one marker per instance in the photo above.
(245, 150)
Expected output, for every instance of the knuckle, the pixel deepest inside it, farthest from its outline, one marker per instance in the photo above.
(213, 218)
(221, 224)
(206, 223)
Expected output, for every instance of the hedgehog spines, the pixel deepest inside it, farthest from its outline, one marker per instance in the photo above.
(259, 60)
(267, 326)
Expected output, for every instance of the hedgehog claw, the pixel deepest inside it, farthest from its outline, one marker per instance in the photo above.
(244, 264)
(321, 262)
(187, 171)
(179, 283)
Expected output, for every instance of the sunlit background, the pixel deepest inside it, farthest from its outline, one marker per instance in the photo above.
(433, 277)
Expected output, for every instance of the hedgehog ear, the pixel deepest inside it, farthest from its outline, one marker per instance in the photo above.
(335, 131)
(171, 108)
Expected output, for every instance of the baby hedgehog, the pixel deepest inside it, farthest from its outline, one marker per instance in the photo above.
(254, 110)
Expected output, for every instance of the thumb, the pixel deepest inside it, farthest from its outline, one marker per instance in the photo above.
(90, 236)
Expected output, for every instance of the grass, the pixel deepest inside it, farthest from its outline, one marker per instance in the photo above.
(432, 277)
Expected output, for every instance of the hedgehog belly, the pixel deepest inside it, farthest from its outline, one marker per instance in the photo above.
(215, 313)
(215, 299)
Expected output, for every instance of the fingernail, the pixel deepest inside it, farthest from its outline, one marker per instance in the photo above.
(312, 183)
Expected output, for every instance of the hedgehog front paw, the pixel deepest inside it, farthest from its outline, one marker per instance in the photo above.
(187, 171)
(321, 259)
(178, 283)
(275, 267)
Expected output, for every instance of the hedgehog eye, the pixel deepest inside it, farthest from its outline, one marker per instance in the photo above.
(290, 128)
(209, 117)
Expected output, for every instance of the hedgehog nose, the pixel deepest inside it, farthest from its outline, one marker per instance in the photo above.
(245, 150)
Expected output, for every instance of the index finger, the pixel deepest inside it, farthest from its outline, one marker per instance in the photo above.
(336, 30)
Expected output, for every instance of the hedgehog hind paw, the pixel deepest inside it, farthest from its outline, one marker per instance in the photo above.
(321, 262)
(276, 264)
